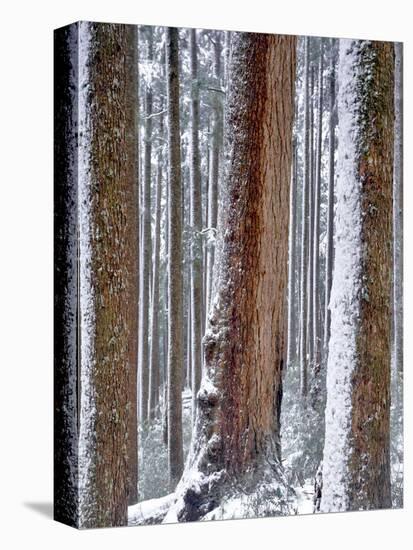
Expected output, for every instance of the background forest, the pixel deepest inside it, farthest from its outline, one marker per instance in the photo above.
(231, 320)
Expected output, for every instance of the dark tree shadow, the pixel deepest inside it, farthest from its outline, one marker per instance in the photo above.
(43, 508)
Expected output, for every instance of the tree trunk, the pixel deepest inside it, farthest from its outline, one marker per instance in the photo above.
(356, 466)
(66, 276)
(398, 216)
(217, 141)
(330, 201)
(316, 239)
(292, 260)
(108, 268)
(305, 228)
(311, 181)
(154, 349)
(196, 228)
(236, 439)
(146, 246)
(175, 302)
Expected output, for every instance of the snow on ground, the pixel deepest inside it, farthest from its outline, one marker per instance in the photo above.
(304, 498)
(149, 511)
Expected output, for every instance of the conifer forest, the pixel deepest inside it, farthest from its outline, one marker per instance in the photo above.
(228, 275)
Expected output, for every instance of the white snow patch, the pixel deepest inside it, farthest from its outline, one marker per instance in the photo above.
(87, 316)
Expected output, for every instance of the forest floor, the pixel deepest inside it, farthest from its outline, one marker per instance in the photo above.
(304, 498)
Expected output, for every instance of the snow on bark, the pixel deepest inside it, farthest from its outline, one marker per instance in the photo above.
(66, 276)
(344, 300)
(86, 314)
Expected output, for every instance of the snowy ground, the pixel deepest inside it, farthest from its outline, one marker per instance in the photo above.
(304, 498)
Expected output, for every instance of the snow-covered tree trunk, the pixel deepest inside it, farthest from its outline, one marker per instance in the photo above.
(236, 447)
(216, 151)
(66, 275)
(356, 464)
(398, 213)
(175, 301)
(305, 227)
(196, 227)
(146, 257)
(330, 198)
(108, 268)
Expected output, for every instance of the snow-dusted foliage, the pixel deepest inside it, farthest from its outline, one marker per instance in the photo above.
(345, 293)
(86, 313)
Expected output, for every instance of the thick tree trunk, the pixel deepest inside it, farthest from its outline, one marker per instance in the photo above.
(108, 268)
(175, 301)
(236, 439)
(146, 245)
(305, 229)
(356, 466)
(196, 228)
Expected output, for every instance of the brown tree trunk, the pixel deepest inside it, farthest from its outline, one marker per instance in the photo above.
(357, 444)
(236, 436)
(175, 299)
(108, 268)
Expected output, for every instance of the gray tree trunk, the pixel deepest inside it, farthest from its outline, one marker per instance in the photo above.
(330, 201)
(305, 228)
(316, 240)
(146, 246)
(196, 228)
(155, 332)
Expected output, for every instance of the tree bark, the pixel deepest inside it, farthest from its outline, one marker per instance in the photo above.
(236, 436)
(292, 260)
(356, 465)
(108, 268)
(175, 301)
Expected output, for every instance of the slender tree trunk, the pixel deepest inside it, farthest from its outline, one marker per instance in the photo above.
(217, 141)
(196, 227)
(311, 209)
(155, 340)
(175, 302)
(236, 440)
(146, 245)
(316, 250)
(330, 201)
(305, 228)
(108, 268)
(356, 465)
(292, 253)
